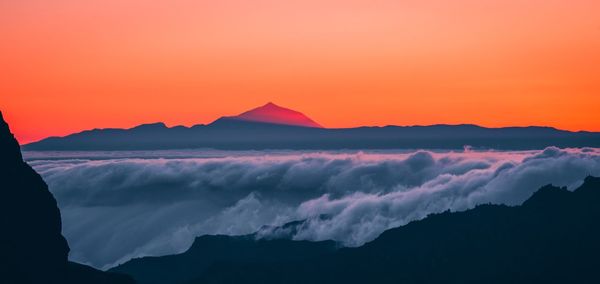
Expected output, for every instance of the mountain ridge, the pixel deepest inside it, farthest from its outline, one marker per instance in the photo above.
(232, 133)
(550, 238)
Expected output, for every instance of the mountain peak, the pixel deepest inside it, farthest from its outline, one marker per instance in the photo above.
(9, 147)
(272, 113)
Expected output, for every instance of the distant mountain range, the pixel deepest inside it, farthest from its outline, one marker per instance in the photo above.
(552, 238)
(274, 127)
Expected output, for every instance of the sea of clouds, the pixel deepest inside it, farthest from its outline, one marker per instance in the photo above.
(120, 205)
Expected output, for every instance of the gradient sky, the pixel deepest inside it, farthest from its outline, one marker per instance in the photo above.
(69, 65)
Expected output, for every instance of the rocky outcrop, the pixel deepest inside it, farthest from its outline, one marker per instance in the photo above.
(32, 248)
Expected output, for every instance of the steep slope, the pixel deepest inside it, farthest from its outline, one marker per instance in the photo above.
(552, 238)
(32, 247)
(272, 113)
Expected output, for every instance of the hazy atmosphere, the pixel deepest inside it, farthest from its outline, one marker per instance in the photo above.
(120, 205)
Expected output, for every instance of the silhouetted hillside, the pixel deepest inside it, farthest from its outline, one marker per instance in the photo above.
(32, 247)
(208, 251)
(249, 131)
(552, 238)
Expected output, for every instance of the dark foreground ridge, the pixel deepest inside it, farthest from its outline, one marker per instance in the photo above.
(32, 248)
(265, 128)
(552, 238)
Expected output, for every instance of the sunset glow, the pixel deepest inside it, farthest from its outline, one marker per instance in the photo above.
(69, 65)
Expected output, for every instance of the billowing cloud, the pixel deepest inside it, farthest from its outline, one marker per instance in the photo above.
(133, 204)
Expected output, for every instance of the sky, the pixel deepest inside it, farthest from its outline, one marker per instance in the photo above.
(70, 65)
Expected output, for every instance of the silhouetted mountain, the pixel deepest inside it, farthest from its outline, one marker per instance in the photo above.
(208, 251)
(274, 114)
(271, 244)
(551, 238)
(32, 247)
(267, 128)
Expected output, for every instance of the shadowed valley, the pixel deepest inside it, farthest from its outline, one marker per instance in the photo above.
(551, 238)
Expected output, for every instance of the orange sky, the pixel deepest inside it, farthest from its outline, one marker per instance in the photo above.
(69, 65)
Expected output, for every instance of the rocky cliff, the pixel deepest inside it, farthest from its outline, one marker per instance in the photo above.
(32, 247)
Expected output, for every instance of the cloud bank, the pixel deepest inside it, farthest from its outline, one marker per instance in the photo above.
(136, 204)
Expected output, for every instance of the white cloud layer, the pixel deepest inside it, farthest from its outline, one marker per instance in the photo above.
(118, 206)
